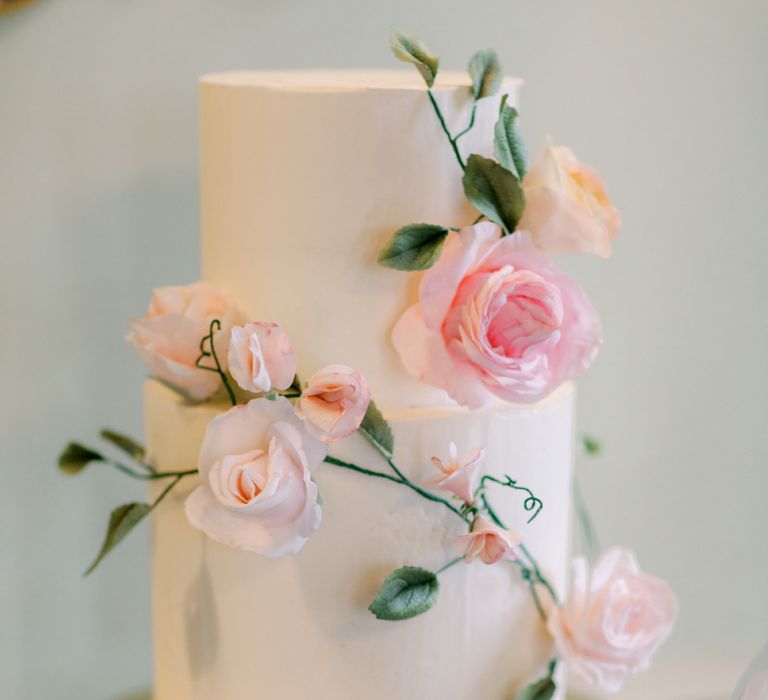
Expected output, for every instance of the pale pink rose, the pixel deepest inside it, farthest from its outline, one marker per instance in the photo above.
(261, 357)
(487, 541)
(613, 620)
(256, 465)
(496, 317)
(334, 402)
(168, 337)
(567, 209)
(458, 477)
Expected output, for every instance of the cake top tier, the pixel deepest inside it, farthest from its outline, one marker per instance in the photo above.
(340, 80)
(305, 175)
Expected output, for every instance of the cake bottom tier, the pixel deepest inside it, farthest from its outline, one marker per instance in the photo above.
(230, 625)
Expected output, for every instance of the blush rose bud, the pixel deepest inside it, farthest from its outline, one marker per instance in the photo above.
(334, 403)
(261, 357)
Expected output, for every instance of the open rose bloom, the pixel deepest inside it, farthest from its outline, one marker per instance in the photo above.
(613, 620)
(496, 318)
(168, 337)
(256, 465)
(567, 209)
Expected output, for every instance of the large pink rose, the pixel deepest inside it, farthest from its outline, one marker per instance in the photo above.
(567, 208)
(334, 402)
(613, 620)
(496, 317)
(256, 465)
(261, 357)
(168, 337)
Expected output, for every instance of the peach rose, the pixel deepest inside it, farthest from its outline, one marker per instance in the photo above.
(168, 337)
(496, 317)
(567, 209)
(334, 402)
(487, 541)
(261, 357)
(256, 465)
(613, 620)
(458, 477)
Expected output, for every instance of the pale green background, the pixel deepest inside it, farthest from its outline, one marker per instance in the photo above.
(98, 204)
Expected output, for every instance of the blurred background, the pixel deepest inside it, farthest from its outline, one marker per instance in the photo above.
(98, 204)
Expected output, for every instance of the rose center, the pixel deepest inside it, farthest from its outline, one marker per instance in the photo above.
(524, 312)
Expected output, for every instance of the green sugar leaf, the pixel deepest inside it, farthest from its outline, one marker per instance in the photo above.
(410, 50)
(486, 73)
(405, 593)
(121, 521)
(377, 431)
(128, 445)
(75, 457)
(543, 689)
(507, 144)
(590, 445)
(413, 247)
(494, 191)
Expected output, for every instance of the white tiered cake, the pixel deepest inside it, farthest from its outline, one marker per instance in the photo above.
(305, 175)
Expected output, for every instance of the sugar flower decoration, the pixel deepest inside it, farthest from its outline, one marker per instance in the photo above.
(613, 621)
(488, 542)
(256, 465)
(334, 403)
(567, 208)
(168, 337)
(261, 357)
(496, 318)
(458, 477)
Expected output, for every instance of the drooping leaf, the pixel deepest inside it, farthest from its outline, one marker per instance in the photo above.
(410, 50)
(542, 689)
(75, 457)
(486, 73)
(413, 247)
(128, 445)
(377, 431)
(494, 191)
(590, 445)
(406, 592)
(121, 521)
(507, 144)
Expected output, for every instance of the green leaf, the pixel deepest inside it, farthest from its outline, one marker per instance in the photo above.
(405, 593)
(410, 50)
(543, 689)
(590, 445)
(494, 191)
(122, 520)
(128, 445)
(486, 73)
(377, 431)
(413, 247)
(75, 457)
(507, 144)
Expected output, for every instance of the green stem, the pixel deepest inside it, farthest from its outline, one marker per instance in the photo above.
(447, 566)
(399, 479)
(591, 543)
(531, 503)
(470, 125)
(151, 476)
(205, 353)
(445, 129)
(527, 571)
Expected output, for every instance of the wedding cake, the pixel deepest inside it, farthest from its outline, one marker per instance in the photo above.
(361, 478)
